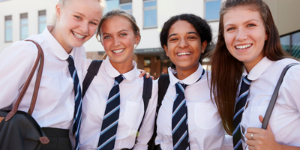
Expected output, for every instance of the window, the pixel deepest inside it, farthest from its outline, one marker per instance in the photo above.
(212, 9)
(111, 4)
(150, 13)
(126, 5)
(8, 28)
(291, 43)
(24, 26)
(42, 20)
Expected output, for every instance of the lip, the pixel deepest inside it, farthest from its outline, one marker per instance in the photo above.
(244, 49)
(183, 56)
(120, 53)
(79, 34)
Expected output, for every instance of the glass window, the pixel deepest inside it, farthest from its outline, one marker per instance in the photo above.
(150, 13)
(212, 9)
(8, 28)
(42, 20)
(24, 26)
(127, 7)
(285, 42)
(296, 44)
(111, 4)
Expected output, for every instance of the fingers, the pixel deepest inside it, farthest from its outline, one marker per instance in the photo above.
(261, 119)
(143, 72)
(248, 136)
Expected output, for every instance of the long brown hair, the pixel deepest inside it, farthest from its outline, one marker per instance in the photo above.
(226, 71)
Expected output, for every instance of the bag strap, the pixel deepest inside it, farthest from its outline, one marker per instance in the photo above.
(274, 96)
(91, 73)
(147, 92)
(40, 58)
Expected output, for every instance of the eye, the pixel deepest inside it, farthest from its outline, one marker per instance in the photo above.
(106, 37)
(123, 34)
(77, 17)
(192, 37)
(251, 25)
(93, 23)
(173, 39)
(231, 28)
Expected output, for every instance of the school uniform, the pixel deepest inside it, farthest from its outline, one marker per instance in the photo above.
(285, 118)
(131, 109)
(55, 102)
(205, 130)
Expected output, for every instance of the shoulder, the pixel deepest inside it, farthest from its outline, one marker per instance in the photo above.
(21, 50)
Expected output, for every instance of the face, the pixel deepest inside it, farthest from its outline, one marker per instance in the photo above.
(118, 39)
(184, 45)
(77, 22)
(245, 35)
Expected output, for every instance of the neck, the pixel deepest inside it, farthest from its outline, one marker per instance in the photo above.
(183, 73)
(123, 67)
(55, 33)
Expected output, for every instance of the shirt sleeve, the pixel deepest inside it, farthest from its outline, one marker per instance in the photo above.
(147, 127)
(16, 63)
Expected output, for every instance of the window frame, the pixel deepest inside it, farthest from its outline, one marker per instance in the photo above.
(124, 4)
(22, 17)
(291, 41)
(212, 20)
(151, 8)
(8, 18)
(41, 13)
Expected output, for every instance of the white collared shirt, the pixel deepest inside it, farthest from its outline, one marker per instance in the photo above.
(285, 119)
(131, 109)
(55, 102)
(204, 123)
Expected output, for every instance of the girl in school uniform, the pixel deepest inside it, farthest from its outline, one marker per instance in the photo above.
(246, 66)
(76, 22)
(113, 107)
(188, 118)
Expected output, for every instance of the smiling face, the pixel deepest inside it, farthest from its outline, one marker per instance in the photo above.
(184, 46)
(77, 22)
(118, 39)
(245, 35)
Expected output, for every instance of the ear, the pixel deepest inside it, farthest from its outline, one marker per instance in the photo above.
(266, 37)
(137, 39)
(203, 46)
(166, 50)
(58, 11)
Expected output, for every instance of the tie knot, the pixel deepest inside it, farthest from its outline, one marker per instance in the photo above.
(180, 87)
(70, 61)
(119, 78)
(246, 80)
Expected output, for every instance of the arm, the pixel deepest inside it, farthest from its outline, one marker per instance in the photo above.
(16, 63)
(148, 123)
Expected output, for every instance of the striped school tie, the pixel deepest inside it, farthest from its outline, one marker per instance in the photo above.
(111, 117)
(78, 101)
(239, 109)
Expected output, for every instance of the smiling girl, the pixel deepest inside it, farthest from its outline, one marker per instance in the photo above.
(188, 118)
(76, 23)
(246, 66)
(113, 106)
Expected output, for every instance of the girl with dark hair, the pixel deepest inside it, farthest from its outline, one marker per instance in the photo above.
(188, 118)
(113, 115)
(246, 66)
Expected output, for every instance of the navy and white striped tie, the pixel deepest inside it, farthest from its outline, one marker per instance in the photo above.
(239, 109)
(78, 101)
(111, 117)
(179, 120)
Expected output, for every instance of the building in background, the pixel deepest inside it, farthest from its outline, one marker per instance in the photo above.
(22, 18)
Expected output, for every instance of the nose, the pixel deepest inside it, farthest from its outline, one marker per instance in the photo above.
(241, 35)
(182, 43)
(84, 27)
(116, 42)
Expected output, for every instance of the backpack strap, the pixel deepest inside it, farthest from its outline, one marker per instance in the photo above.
(274, 96)
(91, 73)
(163, 84)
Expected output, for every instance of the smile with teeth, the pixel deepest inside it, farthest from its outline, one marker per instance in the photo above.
(243, 46)
(184, 53)
(118, 51)
(78, 35)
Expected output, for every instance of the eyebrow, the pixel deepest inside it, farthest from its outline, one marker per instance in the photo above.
(118, 32)
(192, 32)
(84, 16)
(244, 22)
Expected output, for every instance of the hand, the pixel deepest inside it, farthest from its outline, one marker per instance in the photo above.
(143, 72)
(262, 139)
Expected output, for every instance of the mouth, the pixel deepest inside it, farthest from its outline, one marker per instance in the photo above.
(77, 35)
(118, 51)
(183, 54)
(242, 47)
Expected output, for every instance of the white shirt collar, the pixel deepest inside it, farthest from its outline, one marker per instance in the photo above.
(188, 80)
(259, 68)
(58, 50)
(112, 72)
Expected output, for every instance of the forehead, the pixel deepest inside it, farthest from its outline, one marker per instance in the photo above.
(181, 26)
(116, 24)
(241, 14)
(89, 8)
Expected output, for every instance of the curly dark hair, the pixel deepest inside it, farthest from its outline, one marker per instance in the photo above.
(201, 26)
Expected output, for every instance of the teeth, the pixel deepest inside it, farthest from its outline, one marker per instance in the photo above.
(243, 46)
(118, 51)
(78, 35)
(179, 54)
